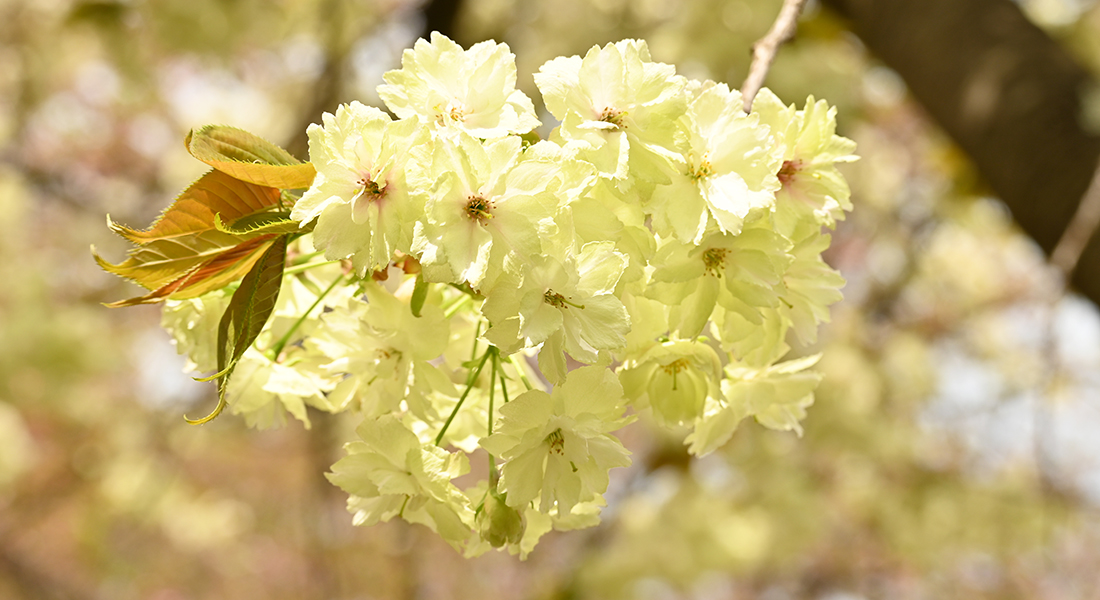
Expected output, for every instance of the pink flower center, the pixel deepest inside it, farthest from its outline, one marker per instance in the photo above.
(479, 209)
(787, 172)
(615, 117)
(371, 189)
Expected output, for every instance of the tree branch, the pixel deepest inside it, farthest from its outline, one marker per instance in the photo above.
(764, 50)
(1081, 229)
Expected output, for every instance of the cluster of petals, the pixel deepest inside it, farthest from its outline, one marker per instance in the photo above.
(656, 252)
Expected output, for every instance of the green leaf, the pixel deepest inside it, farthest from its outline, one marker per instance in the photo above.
(263, 223)
(193, 211)
(248, 311)
(420, 293)
(215, 272)
(248, 157)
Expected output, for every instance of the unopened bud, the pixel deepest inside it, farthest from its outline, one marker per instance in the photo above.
(498, 523)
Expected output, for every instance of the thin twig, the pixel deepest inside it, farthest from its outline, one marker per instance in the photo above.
(763, 51)
(1080, 230)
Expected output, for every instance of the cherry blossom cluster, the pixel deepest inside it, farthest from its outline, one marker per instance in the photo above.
(470, 291)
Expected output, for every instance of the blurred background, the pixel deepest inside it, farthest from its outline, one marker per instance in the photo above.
(952, 452)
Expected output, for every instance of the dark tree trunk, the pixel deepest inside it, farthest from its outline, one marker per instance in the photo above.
(1008, 94)
(442, 16)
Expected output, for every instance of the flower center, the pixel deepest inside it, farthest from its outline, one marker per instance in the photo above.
(557, 442)
(615, 117)
(703, 171)
(387, 353)
(673, 368)
(479, 209)
(676, 366)
(787, 172)
(453, 113)
(371, 189)
(714, 259)
(558, 301)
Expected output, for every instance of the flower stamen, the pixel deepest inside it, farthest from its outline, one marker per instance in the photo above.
(787, 172)
(558, 301)
(371, 189)
(675, 367)
(714, 259)
(479, 209)
(453, 113)
(615, 117)
(387, 353)
(557, 442)
(702, 172)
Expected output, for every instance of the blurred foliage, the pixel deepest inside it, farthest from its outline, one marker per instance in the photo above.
(948, 454)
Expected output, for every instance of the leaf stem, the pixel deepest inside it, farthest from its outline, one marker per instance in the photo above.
(307, 266)
(477, 332)
(303, 258)
(493, 475)
(522, 375)
(492, 388)
(469, 386)
(457, 304)
(277, 349)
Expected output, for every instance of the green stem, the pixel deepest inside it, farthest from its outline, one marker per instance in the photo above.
(277, 349)
(304, 258)
(465, 288)
(477, 332)
(503, 387)
(492, 388)
(522, 375)
(469, 386)
(493, 475)
(307, 266)
(455, 306)
(309, 283)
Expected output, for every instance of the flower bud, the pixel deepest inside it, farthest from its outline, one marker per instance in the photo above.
(677, 391)
(674, 379)
(498, 523)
